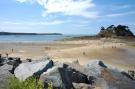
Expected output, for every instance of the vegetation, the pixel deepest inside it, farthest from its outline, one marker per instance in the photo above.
(30, 83)
(112, 31)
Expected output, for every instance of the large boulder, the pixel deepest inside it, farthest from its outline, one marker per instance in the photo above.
(94, 68)
(63, 76)
(15, 62)
(28, 69)
(5, 75)
(52, 75)
(114, 79)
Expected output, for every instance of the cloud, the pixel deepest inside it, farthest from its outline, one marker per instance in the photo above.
(22, 1)
(54, 22)
(67, 7)
(120, 14)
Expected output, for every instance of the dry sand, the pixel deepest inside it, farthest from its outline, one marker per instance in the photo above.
(112, 51)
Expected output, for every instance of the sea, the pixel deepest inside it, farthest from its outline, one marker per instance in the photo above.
(34, 38)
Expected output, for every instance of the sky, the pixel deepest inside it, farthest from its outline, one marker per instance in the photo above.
(65, 16)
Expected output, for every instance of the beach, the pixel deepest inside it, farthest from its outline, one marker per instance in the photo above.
(118, 54)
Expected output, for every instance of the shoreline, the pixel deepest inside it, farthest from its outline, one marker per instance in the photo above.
(116, 52)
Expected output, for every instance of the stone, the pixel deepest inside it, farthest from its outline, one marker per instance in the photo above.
(3, 61)
(15, 62)
(71, 75)
(63, 77)
(25, 70)
(116, 80)
(52, 75)
(5, 75)
(94, 68)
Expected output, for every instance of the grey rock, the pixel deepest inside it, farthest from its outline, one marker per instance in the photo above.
(63, 77)
(5, 75)
(15, 62)
(116, 80)
(28, 69)
(94, 68)
(52, 75)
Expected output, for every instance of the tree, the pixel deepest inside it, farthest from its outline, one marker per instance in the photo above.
(120, 30)
(102, 28)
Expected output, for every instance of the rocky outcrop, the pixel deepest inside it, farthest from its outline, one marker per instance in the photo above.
(28, 69)
(115, 31)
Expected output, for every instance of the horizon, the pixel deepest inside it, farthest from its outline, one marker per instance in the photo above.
(65, 16)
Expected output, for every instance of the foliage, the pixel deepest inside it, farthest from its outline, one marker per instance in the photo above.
(30, 83)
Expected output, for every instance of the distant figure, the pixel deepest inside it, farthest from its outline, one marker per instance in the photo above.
(0, 58)
(7, 55)
(12, 50)
(84, 53)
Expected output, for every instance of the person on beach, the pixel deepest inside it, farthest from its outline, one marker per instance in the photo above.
(12, 50)
(6, 55)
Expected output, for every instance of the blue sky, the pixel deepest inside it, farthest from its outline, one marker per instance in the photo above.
(65, 16)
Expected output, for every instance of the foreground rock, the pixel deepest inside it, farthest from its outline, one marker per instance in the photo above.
(64, 76)
(5, 75)
(94, 68)
(113, 79)
(94, 75)
(28, 69)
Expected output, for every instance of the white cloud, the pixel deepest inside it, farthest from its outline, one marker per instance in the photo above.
(54, 22)
(22, 1)
(67, 7)
(121, 14)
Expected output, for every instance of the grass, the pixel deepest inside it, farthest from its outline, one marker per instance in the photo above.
(30, 83)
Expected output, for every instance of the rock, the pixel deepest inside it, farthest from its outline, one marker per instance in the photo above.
(94, 68)
(29, 60)
(28, 69)
(52, 75)
(82, 86)
(63, 77)
(4, 76)
(3, 61)
(15, 62)
(116, 80)
(71, 75)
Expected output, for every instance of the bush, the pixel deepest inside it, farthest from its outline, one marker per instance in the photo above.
(30, 83)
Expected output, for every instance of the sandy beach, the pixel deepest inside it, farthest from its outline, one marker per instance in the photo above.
(119, 54)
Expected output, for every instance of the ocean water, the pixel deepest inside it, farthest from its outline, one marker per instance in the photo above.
(33, 38)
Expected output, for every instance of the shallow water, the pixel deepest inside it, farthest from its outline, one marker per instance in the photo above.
(32, 38)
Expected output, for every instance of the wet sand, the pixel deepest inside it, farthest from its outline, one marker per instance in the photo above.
(113, 51)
